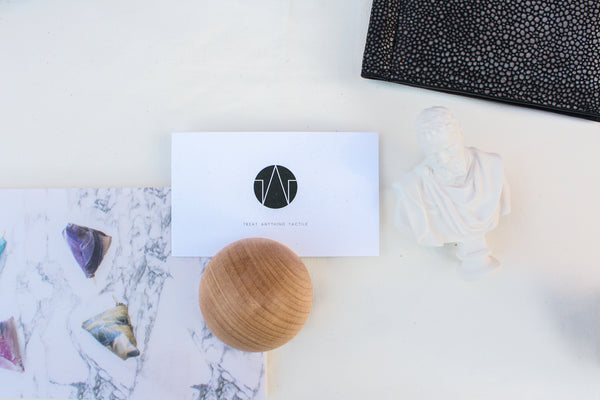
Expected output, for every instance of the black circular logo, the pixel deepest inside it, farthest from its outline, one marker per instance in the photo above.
(275, 186)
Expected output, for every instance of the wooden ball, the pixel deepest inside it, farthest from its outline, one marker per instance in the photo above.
(255, 295)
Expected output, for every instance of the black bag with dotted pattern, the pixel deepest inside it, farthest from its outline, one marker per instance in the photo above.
(536, 53)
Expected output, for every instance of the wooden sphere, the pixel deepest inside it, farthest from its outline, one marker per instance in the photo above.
(255, 294)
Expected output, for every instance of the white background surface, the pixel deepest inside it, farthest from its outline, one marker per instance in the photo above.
(89, 92)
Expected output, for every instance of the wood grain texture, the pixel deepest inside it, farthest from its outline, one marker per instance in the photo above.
(255, 295)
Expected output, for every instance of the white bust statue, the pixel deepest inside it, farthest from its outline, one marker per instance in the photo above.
(455, 195)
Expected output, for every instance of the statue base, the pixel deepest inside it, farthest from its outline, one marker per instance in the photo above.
(476, 259)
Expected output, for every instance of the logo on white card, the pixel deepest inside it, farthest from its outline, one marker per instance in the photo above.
(275, 186)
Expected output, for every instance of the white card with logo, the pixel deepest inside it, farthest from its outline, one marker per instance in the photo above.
(315, 192)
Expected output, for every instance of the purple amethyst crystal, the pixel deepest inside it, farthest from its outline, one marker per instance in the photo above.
(10, 356)
(88, 246)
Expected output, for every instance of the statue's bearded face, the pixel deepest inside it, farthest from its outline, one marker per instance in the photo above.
(440, 136)
(448, 164)
(437, 136)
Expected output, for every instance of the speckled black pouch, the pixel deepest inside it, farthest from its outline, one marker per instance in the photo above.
(536, 53)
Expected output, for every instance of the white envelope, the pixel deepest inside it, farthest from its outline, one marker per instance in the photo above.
(315, 192)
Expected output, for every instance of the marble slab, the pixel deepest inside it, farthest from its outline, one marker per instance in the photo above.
(45, 290)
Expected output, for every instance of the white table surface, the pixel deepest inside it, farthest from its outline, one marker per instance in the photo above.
(90, 91)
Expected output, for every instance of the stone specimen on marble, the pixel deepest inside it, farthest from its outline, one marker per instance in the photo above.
(10, 356)
(113, 329)
(2, 245)
(88, 246)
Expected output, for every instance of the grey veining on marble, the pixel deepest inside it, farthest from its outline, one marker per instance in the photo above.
(42, 286)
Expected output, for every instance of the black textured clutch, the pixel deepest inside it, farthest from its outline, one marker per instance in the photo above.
(536, 53)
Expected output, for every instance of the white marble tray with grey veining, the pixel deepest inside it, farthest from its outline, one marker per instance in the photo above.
(45, 290)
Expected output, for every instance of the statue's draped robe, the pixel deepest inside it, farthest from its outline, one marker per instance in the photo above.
(436, 213)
